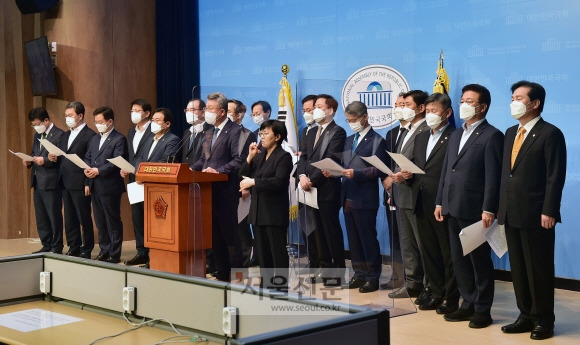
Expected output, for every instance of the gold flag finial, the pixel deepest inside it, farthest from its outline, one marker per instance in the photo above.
(285, 70)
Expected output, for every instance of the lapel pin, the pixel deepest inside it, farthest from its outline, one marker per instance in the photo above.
(533, 135)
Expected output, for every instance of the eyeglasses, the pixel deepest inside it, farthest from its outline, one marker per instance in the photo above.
(191, 109)
(264, 134)
(355, 119)
(36, 124)
(211, 109)
(468, 101)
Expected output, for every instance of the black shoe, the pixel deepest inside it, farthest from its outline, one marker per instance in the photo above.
(73, 252)
(42, 250)
(480, 320)
(354, 283)
(56, 251)
(369, 286)
(459, 315)
(404, 293)
(522, 325)
(253, 262)
(423, 297)
(137, 260)
(542, 332)
(331, 282)
(102, 257)
(447, 307)
(431, 304)
(113, 260)
(392, 284)
(85, 255)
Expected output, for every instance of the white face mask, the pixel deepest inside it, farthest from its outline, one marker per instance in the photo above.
(231, 117)
(398, 113)
(210, 117)
(70, 121)
(408, 114)
(155, 127)
(319, 115)
(190, 117)
(40, 129)
(259, 119)
(433, 120)
(198, 128)
(102, 128)
(308, 118)
(135, 117)
(356, 126)
(518, 109)
(466, 112)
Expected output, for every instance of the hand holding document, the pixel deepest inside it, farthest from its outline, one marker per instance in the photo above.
(77, 160)
(475, 235)
(243, 208)
(309, 198)
(329, 165)
(51, 148)
(22, 156)
(405, 164)
(377, 163)
(135, 192)
(122, 164)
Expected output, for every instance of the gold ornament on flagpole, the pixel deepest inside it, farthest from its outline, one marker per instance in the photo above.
(285, 70)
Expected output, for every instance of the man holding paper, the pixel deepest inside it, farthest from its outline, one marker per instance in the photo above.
(532, 179)
(44, 179)
(468, 193)
(76, 195)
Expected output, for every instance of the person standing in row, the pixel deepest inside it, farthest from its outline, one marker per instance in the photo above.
(195, 134)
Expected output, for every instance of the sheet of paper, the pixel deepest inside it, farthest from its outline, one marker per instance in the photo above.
(496, 238)
(77, 160)
(309, 198)
(377, 163)
(243, 208)
(328, 164)
(122, 164)
(51, 148)
(35, 319)
(135, 192)
(473, 236)
(22, 156)
(404, 163)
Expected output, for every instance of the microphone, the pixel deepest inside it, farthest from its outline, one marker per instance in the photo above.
(171, 158)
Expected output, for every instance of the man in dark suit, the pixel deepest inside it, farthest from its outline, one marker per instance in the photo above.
(414, 113)
(261, 111)
(221, 155)
(136, 139)
(44, 179)
(75, 193)
(326, 142)
(195, 116)
(532, 179)
(360, 198)
(106, 184)
(468, 193)
(392, 139)
(429, 153)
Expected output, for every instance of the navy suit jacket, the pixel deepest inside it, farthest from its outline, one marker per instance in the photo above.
(109, 180)
(363, 189)
(132, 154)
(470, 179)
(534, 186)
(166, 146)
(71, 176)
(46, 176)
(190, 155)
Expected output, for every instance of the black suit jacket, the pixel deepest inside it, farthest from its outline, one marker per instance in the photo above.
(166, 146)
(534, 186)
(470, 179)
(270, 200)
(109, 180)
(426, 184)
(190, 155)
(329, 145)
(46, 176)
(71, 176)
(132, 153)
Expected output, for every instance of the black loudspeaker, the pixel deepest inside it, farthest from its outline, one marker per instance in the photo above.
(35, 6)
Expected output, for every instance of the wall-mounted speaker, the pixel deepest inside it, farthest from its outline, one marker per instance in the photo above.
(35, 6)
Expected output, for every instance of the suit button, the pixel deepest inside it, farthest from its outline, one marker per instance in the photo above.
(453, 170)
(510, 175)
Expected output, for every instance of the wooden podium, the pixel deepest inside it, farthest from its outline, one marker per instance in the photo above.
(177, 232)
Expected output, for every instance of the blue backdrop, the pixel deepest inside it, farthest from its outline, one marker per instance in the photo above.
(492, 42)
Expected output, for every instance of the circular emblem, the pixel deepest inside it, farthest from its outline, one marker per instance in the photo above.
(378, 87)
(160, 208)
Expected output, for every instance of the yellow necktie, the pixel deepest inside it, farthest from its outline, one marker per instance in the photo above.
(318, 135)
(517, 145)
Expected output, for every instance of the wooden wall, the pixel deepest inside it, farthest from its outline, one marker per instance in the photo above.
(105, 56)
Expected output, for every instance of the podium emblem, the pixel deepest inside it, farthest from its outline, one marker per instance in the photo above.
(160, 208)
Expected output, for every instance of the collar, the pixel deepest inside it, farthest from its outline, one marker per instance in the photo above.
(530, 124)
(144, 127)
(472, 126)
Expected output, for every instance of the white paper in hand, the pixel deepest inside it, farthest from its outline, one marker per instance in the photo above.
(51, 148)
(122, 164)
(496, 239)
(329, 165)
(135, 192)
(22, 156)
(377, 163)
(76, 160)
(472, 237)
(309, 198)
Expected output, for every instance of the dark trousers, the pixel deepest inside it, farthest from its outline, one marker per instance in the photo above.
(107, 212)
(409, 235)
(436, 254)
(47, 207)
(365, 252)
(394, 238)
(531, 253)
(273, 258)
(77, 216)
(316, 247)
(332, 232)
(474, 271)
(226, 245)
(138, 217)
(246, 239)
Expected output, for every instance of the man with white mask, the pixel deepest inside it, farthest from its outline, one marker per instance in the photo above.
(194, 135)
(261, 111)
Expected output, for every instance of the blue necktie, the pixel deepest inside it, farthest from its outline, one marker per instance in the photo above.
(191, 140)
(355, 142)
(215, 134)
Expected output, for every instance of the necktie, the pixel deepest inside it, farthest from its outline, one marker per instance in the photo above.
(318, 135)
(355, 142)
(517, 144)
(42, 136)
(191, 137)
(402, 133)
(215, 134)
